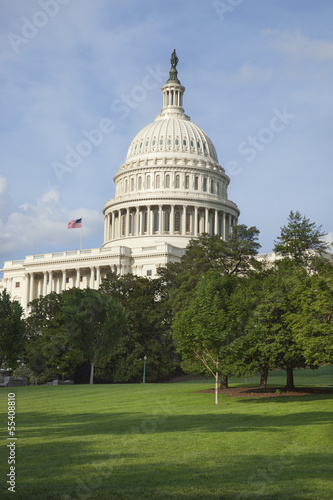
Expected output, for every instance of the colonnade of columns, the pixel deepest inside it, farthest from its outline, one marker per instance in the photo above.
(42, 283)
(161, 219)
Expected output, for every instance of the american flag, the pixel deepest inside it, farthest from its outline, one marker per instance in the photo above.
(75, 223)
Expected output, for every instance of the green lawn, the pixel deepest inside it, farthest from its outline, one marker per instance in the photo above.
(164, 441)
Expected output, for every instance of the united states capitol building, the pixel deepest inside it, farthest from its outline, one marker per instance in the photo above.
(170, 189)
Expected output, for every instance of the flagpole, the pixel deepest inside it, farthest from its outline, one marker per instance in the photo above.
(81, 239)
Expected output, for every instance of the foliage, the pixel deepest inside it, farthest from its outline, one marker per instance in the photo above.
(49, 349)
(148, 332)
(94, 322)
(301, 241)
(312, 318)
(207, 327)
(12, 331)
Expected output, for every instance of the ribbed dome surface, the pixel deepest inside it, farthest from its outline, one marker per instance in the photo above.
(172, 134)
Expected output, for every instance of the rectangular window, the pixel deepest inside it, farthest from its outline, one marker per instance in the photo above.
(166, 222)
(149, 272)
(187, 182)
(188, 222)
(67, 280)
(204, 186)
(196, 183)
(123, 225)
(17, 284)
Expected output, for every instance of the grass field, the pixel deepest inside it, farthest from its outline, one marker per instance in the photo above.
(165, 441)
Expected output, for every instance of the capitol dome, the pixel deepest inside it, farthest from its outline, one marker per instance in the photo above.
(170, 189)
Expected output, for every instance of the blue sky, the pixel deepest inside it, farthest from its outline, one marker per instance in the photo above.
(258, 78)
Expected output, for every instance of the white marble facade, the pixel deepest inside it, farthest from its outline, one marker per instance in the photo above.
(170, 189)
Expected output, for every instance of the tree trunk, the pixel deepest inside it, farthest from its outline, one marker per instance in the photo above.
(92, 366)
(224, 382)
(290, 379)
(264, 377)
(217, 388)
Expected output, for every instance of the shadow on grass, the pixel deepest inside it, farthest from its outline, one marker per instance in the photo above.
(36, 424)
(76, 473)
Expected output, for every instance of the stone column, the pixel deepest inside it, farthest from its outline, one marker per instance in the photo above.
(25, 292)
(183, 226)
(160, 222)
(206, 220)
(172, 220)
(63, 286)
(137, 228)
(31, 287)
(92, 278)
(195, 221)
(149, 231)
(127, 225)
(119, 224)
(98, 277)
(50, 287)
(77, 279)
(216, 222)
(224, 226)
(44, 283)
(113, 232)
(230, 224)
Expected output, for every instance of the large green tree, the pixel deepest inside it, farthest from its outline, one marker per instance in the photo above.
(312, 317)
(148, 334)
(49, 349)
(94, 323)
(207, 327)
(234, 257)
(12, 331)
(302, 241)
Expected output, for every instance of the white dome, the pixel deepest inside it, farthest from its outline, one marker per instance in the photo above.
(171, 134)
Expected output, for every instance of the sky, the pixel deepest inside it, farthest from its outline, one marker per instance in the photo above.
(80, 78)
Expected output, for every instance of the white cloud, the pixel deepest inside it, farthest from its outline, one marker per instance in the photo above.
(298, 45)
(42, 227)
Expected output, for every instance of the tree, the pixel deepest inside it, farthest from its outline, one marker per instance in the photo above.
(49, 349)
(12, 331)
(270, 338)
(312, 319)
(234, 257)
(302, 241)
(203, 330)
(148, 334)
(94, 322)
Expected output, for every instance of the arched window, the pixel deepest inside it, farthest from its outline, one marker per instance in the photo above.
(196, 183)
(177, 222)
(132, 184)
(126, 186)
(148, 181)
(212, 186)
(187, 182)
(218, 188)
(140, 183)
(157, 182)
(204, 186)
(177, 181)
(167, 181)
(156, 221)
(167, 221)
